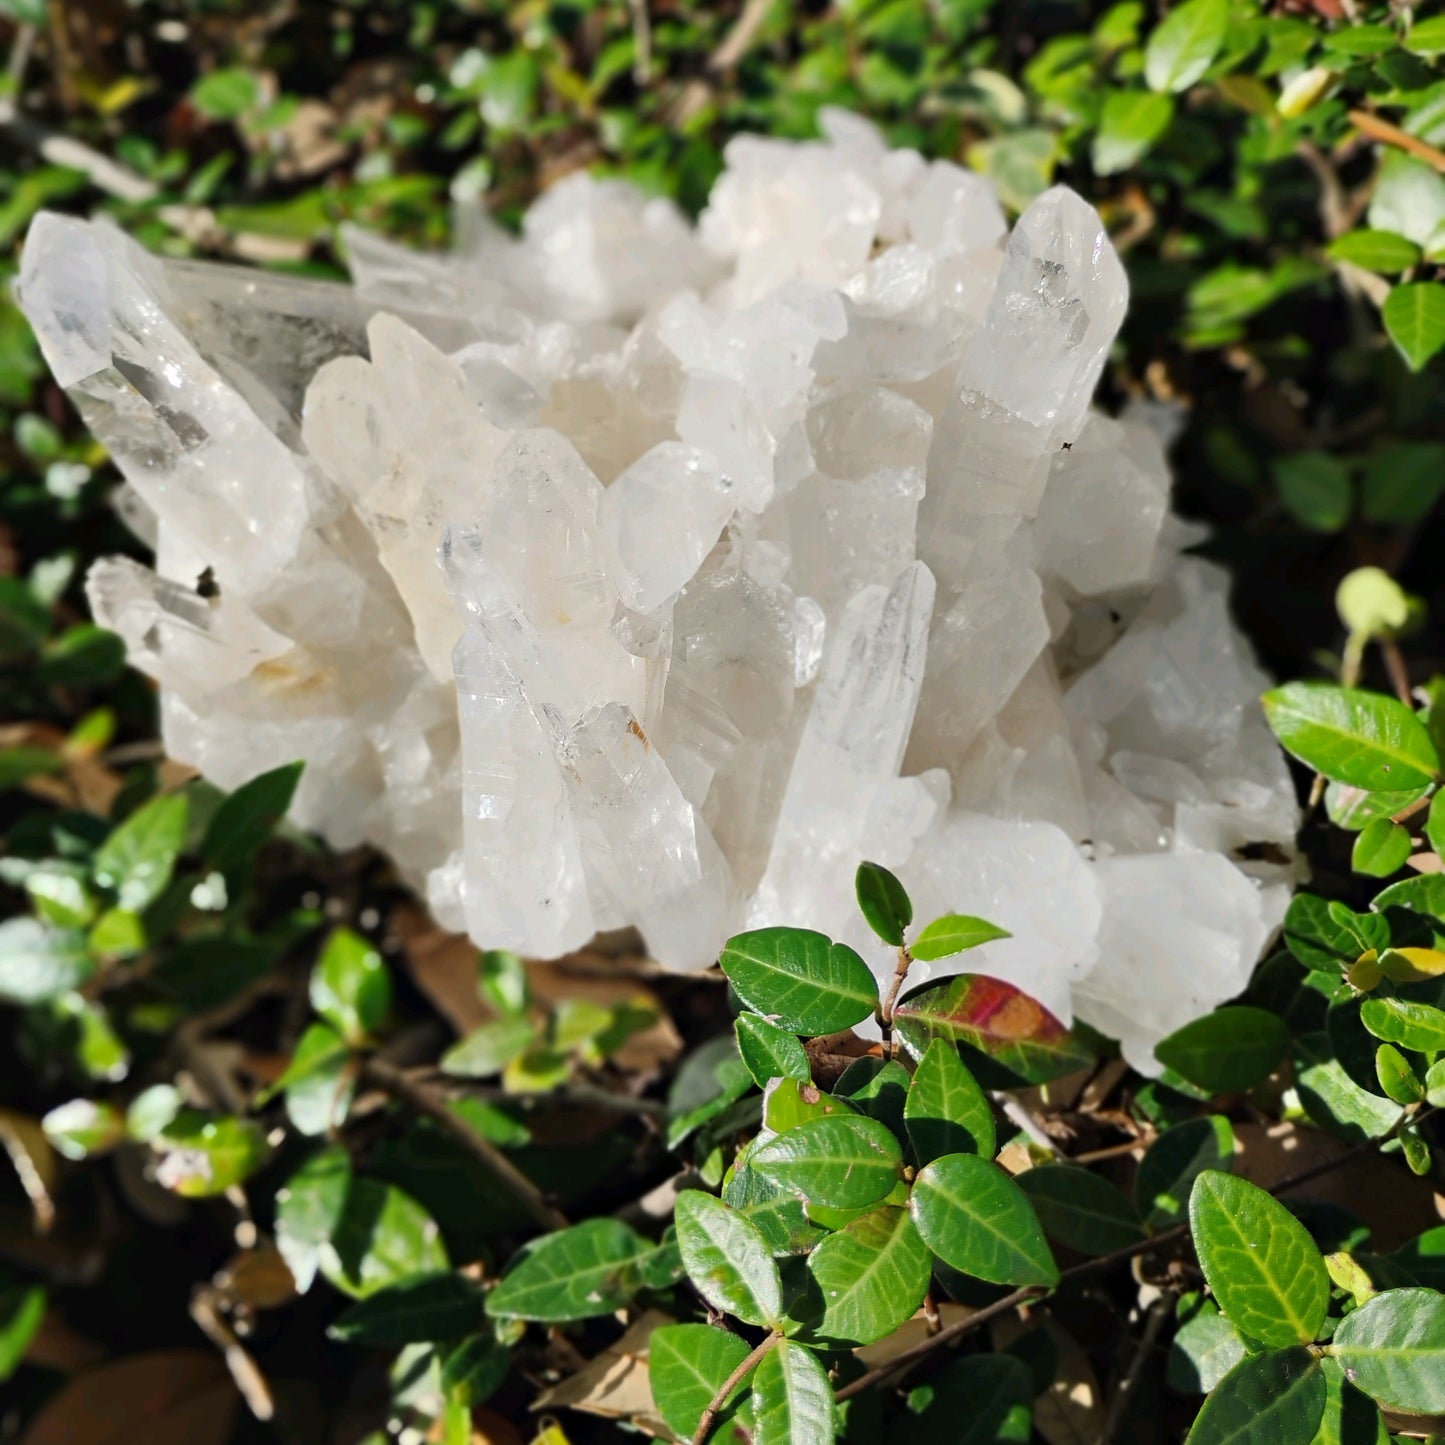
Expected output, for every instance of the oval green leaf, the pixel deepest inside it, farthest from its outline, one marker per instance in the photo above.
(1185, 44)
(1082, 1211)
(249, 816)
(792, 1397)
(137, 860)
(350, 986)
(953, 933)
(867, 1278)
(1175, 1160)
(1393, 1348)
(1418, 1026)
(803, 981)
(574, 1274)
(770, 1052)
(1383, 251)
(1414, 317)
(975, 1218)
(425, 1309)
(946, 1111)
(1361, 738)
(884, 901)
(687, 1365)
(1260, 1262)
(842, 1162)
(728, 1259)
(1270, 1399)
(1381, 848)
(1227, 1051)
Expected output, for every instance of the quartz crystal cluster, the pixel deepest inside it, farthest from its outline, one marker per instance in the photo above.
(629, 573)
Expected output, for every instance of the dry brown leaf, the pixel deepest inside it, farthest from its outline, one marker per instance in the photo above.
(615, 1384)
(1070, 1411)
(444, 966)
(910, 1334)
(169, 1397)
(649, 1049)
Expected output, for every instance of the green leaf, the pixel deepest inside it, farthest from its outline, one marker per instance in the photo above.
(1435, 824)
(1332, 1098)
(1425, 894)
(1402, 482)
(226, 94)
(350, 986)
(804, 981)
(884, 901)
(423, 1309)
(22, 1312)
(728, 1259)
(1414, 317)
(1393, 1348)
(1417, 1026)
(1174, 1161)
(38, 963)
(1227, 1051)
(1427, 37)
(308, 1211)
(206, 1155)
(793, 1399)
(788, 1103)
(382, 1236)
(1397, 1078)
(1435, 1084)
(488, 1050)
(1315, 486)
(1205, 1349)
(1185, 44)
(1381, 848)
(978, 1400)
(319, 1082)
(1082, 1211)
(1383, 251)
(573, 1274)
(1260, 1263)
(1350, 1417)
(1423, 1258)
(842, 1162)
(946, 1111)
(83, 1128)
(878, 1088)
(137, 860)
(711, 1078)
(777, 1212)
(1271, 1399)
(687, 1365)
(475, 1368)
(996, 1020)
(1329, 935)
(1129, 124)
(975, 1218)
(248, 817)
(770, 1052)
(866, 1279)
(1362, 738)
(953, 933)
(151, 1110)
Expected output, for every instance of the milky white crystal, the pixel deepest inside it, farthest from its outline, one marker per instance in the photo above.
(626, 573)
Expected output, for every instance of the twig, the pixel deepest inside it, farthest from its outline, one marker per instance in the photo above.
(1398, 671)
(945, 1336)
(641, 41)
(1383, 131)
(745, 1367)
(1410, 809)
(426, 1100)
(885, 1013)
(206, 1312)
(730, 50)
(1129, 1381)
(1025, 1122)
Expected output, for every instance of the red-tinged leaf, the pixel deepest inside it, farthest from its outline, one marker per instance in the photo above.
(1006, 1027)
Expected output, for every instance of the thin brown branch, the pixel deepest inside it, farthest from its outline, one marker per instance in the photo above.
(1398, 671)
(1392, 135)
(745, 1367)
(1159, 1312)
(432, 1102)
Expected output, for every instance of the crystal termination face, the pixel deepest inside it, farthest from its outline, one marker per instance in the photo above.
(630, 573)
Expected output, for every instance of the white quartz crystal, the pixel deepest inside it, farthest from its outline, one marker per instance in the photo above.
(631, 573)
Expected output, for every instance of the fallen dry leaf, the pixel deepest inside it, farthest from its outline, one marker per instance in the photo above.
(168, 1397)
(1070, 1411)
(615, 1384)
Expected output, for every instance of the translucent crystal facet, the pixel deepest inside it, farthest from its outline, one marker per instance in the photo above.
(626, 572)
